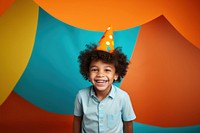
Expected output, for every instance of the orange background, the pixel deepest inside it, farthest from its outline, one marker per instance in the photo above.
(95, 15)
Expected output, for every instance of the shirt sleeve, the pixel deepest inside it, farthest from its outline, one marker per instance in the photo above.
(128, 113)
(78, 110)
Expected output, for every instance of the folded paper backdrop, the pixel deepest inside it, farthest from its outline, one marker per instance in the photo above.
(164, 65)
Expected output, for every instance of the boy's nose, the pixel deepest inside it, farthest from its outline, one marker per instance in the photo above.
(100, 74)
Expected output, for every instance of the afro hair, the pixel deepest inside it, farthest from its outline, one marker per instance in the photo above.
(117, 58)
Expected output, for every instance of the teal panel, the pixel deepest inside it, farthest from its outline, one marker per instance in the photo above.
(52, 79)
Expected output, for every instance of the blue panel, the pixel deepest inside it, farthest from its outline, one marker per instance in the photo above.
(52, 79)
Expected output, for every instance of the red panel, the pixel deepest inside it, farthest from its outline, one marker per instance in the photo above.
(4, 5)
(19, 116)
(163, 78)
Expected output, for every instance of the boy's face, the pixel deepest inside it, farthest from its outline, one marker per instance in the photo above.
(102, 75)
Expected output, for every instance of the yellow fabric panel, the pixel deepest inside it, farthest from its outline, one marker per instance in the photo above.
(17, 29)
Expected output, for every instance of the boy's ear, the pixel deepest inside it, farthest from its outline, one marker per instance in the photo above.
(116, 77)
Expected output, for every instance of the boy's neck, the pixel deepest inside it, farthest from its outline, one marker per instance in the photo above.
(101, 94)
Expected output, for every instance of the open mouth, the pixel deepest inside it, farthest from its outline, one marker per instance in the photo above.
(101, 81)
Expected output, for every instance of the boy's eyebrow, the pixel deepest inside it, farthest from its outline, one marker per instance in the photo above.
(105, 66)
(92, 66)
(109, 66)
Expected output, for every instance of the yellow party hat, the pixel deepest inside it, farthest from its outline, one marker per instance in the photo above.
(106, 42)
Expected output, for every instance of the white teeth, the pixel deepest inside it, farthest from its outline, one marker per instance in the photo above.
(101, 81)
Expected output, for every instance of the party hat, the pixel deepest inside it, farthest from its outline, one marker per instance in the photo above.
(106, 42)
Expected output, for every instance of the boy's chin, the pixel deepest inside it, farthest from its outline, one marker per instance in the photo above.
(101, 88)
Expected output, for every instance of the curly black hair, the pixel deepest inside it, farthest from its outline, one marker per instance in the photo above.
(117, 58)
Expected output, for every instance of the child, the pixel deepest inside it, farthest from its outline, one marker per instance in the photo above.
(103, 107)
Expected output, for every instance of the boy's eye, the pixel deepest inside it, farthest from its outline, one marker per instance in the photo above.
(93, 69)
(107, 70)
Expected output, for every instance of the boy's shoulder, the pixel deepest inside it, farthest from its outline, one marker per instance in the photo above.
(85, 91)
(120, 91)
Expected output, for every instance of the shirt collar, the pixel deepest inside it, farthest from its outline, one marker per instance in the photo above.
(112, 92)
(92, 93)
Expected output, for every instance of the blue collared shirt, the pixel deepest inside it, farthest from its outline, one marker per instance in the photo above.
(104, 116)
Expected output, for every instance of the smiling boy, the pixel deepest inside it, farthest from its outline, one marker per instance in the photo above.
(103, 107)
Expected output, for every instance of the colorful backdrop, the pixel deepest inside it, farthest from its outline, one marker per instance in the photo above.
(39, 73)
